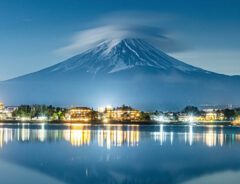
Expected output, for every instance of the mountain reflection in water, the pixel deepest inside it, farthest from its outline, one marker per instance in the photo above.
(114, 135)
(81, 153)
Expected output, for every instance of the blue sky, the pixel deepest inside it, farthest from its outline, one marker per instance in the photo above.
(34, 34)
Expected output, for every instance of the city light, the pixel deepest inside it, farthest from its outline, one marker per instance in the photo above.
(105, 120)
(160, 118)
(191, 119)
(101, 109)
(114, 114)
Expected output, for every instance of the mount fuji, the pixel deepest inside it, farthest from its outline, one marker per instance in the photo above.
(127, 71)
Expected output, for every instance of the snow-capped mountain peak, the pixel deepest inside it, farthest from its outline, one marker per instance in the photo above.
(117, 55)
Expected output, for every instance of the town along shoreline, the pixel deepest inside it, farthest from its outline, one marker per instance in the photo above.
(113, 122)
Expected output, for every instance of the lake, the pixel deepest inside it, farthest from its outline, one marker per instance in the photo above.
(77, 153)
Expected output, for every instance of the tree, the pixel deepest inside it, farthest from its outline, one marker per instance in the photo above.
(237, 113)
(144, 116)
(52, 113)
(23, 111)
(93, 115)
(125, 108)
(229, 114)
(191, 110)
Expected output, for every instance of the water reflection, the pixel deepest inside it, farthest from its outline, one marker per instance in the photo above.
(116, 135)
(77, 135)
(210, 136)
(77, 153)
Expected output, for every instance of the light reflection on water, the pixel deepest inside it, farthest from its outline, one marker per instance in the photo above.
(80, 153)
(76, 134)
(210, 137)
(114, 135)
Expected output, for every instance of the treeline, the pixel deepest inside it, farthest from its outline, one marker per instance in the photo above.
(229, 114)
(35, 111)
(58, 113)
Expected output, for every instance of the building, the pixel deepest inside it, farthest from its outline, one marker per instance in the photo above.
(1, 106)
(213, 115)
(10, 109)
(182, 117)
(187, 118)
(79, 114)
(121, 114)
(6, 113)
(236, 121)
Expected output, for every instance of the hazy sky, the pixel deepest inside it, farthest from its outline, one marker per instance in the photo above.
(35, 34)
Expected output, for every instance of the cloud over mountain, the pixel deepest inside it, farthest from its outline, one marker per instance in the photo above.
(119, 26)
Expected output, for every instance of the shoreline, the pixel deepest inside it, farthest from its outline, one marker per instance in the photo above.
(98, 122)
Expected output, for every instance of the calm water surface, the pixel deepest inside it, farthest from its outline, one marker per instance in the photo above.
(76, 153)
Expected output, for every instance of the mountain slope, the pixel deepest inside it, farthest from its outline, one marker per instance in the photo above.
(128, 71)
(114, 56)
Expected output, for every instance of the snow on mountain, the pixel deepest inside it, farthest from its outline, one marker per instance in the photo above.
(116, 55)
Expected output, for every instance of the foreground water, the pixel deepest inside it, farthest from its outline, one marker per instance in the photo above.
(76, 153)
